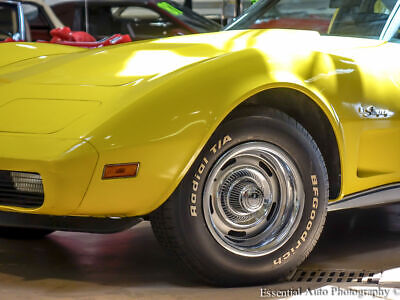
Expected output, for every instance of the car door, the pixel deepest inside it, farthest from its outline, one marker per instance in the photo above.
(375, 158)
(379, 109)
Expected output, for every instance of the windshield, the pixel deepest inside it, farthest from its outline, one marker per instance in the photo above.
(357, 18)
(9, 22)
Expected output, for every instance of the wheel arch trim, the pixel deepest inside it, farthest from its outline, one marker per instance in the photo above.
(322, 103)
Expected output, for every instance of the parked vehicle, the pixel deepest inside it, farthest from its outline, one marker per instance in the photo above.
(233, 144)
(140, 19)
(306, 15)
(33, 20)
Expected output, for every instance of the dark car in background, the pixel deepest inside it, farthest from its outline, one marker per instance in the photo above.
(139, 18)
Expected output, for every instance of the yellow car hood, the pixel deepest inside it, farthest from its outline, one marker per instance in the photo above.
(110, 66)
(127, 63)
(48, 87)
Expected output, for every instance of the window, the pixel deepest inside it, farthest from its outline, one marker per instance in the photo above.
(135, 12)
(138, 21)
(38, 23)
(142, 22)
(188, 16)
(101, 21)
(8, 21)
(35, 16)
(70, 15)
(297, 14)
(356, 18)
(367, 19)
(305, 14)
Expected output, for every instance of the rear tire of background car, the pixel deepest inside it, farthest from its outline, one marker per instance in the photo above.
(252, 206)
(17, 233)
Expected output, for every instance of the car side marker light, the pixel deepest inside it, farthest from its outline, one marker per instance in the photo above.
(120, 170)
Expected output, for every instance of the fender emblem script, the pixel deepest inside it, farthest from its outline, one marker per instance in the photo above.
(371, 112)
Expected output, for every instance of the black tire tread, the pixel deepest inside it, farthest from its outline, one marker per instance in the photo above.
(164, 226)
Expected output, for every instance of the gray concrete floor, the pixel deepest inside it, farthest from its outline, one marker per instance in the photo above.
(131, 265)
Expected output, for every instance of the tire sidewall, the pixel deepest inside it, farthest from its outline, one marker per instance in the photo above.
(197, 238)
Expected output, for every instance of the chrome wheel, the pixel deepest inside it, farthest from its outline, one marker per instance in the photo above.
(253, 199)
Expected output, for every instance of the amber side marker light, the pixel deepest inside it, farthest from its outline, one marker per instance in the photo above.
(120, 170)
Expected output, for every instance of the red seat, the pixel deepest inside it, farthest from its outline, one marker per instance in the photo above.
(65, 36)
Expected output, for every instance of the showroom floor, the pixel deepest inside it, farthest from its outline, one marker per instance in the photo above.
(356, 245)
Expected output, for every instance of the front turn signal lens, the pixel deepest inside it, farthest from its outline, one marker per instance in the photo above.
(120, 170)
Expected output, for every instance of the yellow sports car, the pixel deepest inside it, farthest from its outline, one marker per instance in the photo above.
(232, 144)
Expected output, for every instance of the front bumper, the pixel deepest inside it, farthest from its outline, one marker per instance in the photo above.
(67, 223)
(66, 167)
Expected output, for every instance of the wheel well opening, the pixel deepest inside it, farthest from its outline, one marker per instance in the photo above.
(312, 118)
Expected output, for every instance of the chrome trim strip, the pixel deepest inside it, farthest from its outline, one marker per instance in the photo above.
(21, 21)
(378, 196)
(86, 16)
(21, 18)
(392, 23)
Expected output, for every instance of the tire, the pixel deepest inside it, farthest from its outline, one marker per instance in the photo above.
(17, 233)
(252, 206)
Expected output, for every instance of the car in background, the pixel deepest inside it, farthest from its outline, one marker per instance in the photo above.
(35, 21)
(139, 18)
(333, 17)
(36, 13)
(305, 15)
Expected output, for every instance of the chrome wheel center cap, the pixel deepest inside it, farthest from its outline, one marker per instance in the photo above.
(251, 198)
